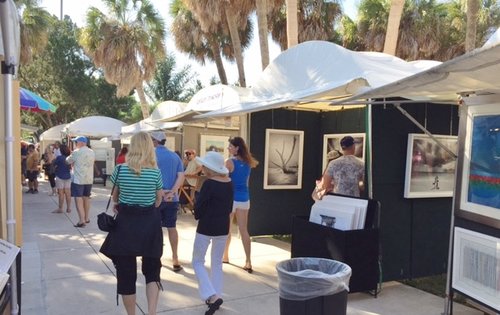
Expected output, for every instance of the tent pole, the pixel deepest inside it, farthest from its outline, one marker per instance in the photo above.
(10, 22)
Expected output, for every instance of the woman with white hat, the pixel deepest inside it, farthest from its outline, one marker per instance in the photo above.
(212, 208)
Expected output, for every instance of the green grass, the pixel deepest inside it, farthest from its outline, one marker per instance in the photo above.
(433, 284)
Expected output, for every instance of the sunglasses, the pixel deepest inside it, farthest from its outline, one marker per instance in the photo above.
(189, 153)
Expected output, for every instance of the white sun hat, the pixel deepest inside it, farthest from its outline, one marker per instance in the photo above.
(213, 161)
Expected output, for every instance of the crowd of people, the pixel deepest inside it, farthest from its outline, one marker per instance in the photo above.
(147, 180)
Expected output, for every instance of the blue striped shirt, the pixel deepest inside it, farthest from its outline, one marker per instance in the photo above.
(137, 190)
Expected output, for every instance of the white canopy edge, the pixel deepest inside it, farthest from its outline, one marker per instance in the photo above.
(95, 126)
(314, 72)
(475, 72)
(53, 134)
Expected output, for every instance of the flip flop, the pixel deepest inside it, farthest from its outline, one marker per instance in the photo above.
(248, 269)
(68, 210)
(57, 211)
(79, 225)
(177, 268)
(212, 307)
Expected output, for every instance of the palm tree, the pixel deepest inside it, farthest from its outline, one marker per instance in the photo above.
(316, 21)
(126, 49)
(292, 26)
(391, 37)
(211, 13)
(472, 13)
(34, 25)
(261, 10)
(191, 39)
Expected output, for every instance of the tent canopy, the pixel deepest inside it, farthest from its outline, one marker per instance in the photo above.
(154, 122)
(52, 134)
(211, 98)
(474, 73)
(95, 127)
(311, 73)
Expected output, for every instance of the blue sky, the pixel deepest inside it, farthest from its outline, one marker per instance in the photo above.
(76, 9)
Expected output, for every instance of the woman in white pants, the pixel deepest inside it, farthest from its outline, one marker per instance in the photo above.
(212, 208)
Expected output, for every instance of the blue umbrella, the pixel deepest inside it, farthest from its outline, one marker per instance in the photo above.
(34, 102)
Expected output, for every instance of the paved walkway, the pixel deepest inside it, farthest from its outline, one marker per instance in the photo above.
(63, 272)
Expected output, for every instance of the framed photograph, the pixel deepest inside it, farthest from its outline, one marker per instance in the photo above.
(430, 169)
(476, 258)
(480, 176)
(283, 159)
(332, 142)
(214, 143)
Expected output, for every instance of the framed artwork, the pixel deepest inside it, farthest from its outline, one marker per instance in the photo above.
(476, 258)
(283, 159)
(332, 142)
(214, 143)
(170, 143)
(479, 179)
(430, 169)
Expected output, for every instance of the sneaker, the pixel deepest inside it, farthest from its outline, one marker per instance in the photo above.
(35, 191)
(29, 191)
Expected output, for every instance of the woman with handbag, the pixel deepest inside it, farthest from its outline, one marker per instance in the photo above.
(137, 232)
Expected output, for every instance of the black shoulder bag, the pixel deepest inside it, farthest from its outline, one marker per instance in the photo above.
(107, 222)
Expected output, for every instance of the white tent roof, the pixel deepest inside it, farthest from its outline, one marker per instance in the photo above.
(211, 98)
(319, 70)
(475, 72)
(95, 127)
(52, 134)
(152, 123)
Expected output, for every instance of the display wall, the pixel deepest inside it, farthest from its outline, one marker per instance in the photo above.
(414, 233)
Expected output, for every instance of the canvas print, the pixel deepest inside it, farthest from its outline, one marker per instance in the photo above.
(480, 177)
(283, 159)
(214, 143)
(332, 142)
(476, 261)
(430, 169)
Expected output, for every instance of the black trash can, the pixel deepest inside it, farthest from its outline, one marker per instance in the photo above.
(313, 286)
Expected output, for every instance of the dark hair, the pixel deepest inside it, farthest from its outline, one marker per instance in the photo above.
(64, 150)
(243, 151)
(123, 150)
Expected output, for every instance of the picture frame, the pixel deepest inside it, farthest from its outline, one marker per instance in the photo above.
(430, 169)
(214, 143)
(478, 182)
(475, 272)
(332, 142)
(283, 159)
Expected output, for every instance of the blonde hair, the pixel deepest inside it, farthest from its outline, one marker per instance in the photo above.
(141, 153)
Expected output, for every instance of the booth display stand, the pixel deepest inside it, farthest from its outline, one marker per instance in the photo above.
(357, 248)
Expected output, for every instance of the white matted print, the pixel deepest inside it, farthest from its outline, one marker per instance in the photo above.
(170, 143)
(476, 261)
(430, 169)
(283, 159)
(332, 142)
(214, 143)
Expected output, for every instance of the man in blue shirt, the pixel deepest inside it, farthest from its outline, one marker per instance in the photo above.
(172, 172)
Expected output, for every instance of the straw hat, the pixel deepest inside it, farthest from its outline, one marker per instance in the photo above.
(213, 161)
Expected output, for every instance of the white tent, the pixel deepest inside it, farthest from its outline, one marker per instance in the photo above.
(316, 70)
(53, 134)
(152, 123)
(95, 127)
(474, 73)
(211, 98)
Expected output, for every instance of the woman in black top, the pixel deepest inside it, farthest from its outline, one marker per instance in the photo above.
(212, 208)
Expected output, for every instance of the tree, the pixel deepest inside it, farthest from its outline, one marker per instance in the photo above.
(191, 39)
(64, 76)
(292, 27)
(125, 49)
(316, 21)
(211, 13)
(472, 13)
(34, 25)
(391, 37)
(169, 85)
(261, 10)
